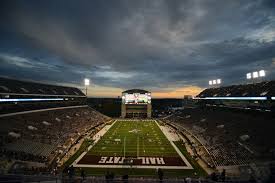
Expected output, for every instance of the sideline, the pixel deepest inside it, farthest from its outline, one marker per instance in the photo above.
(177, 150)
(101, 132)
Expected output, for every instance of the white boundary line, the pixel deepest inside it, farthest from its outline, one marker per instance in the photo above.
(133, 166)
(89, 148)
(177, 150)
(188, 165)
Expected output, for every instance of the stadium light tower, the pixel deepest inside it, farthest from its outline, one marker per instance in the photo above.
(256, 74)
(86, 83)
(248, 76)
(262, 73)
(215, 82)
(210, 83)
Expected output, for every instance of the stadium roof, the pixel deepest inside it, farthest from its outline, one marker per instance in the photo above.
(136, 91)
(18, 87)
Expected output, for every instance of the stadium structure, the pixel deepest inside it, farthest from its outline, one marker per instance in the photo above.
(50, 133)
(136, 103)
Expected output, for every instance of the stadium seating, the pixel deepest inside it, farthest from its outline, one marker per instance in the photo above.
(246, 90)
(22, 90)
(22, 87)
(231, 137)
(40, 136)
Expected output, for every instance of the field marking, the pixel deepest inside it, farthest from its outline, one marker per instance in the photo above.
(133, 166)
(90, 147)
(178, 151)
(188, 165)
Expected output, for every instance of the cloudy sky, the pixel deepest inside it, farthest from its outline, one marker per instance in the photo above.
(170, 47)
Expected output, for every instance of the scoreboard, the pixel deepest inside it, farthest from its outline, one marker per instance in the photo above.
(136, 98)
(136, 103)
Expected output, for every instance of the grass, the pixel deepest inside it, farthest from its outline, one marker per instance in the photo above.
(142, 138)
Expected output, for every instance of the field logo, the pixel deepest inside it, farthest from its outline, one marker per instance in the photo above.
(111, 160)
(138, 161)
(152, 161)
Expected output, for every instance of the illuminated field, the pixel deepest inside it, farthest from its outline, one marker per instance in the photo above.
(140, 138)
(138, 143)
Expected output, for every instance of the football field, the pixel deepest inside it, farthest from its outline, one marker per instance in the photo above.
(135, 144)
(134, 139)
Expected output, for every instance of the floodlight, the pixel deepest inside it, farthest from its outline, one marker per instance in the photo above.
(255, 74)
(86, 82)
(214, 82)
(262, 73)
(219, 81)
(248, 76)
(210, 83)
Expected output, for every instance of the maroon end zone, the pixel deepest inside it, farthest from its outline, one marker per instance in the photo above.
(110, 160)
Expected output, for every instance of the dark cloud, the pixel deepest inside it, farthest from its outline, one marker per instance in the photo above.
(149, 44)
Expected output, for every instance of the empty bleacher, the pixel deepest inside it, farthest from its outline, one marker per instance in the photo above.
(232, 138)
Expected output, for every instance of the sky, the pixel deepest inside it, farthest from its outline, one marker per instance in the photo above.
(169, 47)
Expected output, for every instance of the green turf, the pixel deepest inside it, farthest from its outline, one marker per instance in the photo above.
(135, 138)
(196, 172)
(148, 141)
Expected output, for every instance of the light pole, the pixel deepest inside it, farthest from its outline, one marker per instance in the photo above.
(215, 82)
(262, 74)
(256, 74)
(86, 83)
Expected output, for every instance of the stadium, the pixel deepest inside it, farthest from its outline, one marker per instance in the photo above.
(51, 130)
(147, 91)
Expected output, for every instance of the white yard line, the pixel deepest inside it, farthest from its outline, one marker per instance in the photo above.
(101, 132)
(189, 166)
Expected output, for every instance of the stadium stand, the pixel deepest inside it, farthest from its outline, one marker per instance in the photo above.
(256, 96)
(231, 137)
(41, 132)
(16, 96)
(42, 136)
(15, 87)
(246, 90)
